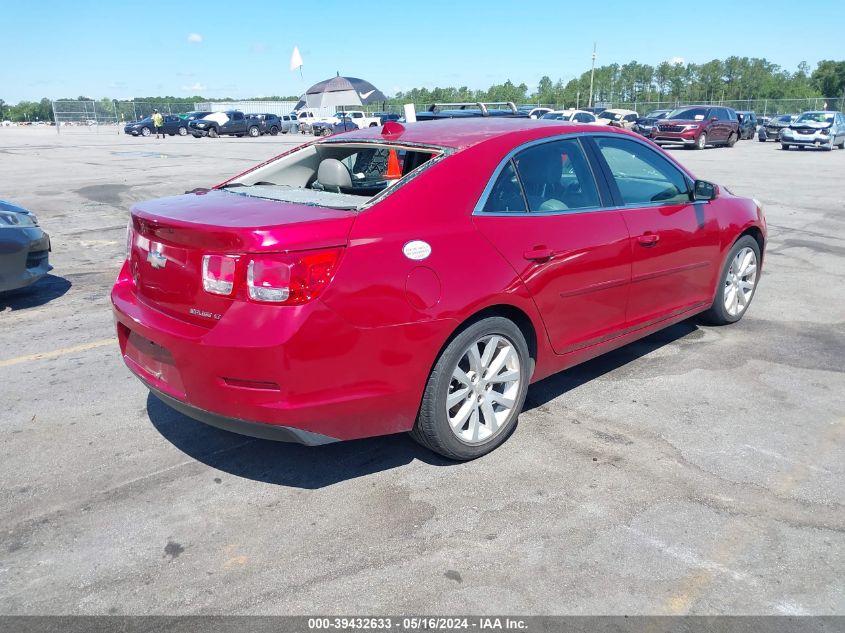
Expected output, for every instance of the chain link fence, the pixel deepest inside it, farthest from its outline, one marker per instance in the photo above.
(109, 116)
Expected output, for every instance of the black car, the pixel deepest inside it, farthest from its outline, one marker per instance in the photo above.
(327, 128)
(173, 125)
(468, 110)
(24, 248)
(747, 124)
(771, 131)
(267, 124)
(231, 123)
(384, 117)
(645, 124)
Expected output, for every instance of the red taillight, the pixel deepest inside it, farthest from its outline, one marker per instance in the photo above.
(218, 274)
(292, 278)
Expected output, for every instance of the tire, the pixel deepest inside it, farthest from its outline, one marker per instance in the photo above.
(212, 133)
(482, 433)
(274, 131)
(254, 132)
(373, 124)
(841, 145)
(701, 141)
(731, 140)
(326, 132)
(784, 146)
(183, 131)
(285, 130)
(762, 140)
(733, 296)
(145, 131)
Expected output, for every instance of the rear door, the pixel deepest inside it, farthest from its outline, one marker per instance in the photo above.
(545, 214)
(674, 241)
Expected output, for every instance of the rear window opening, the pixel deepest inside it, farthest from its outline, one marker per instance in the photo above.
(337, 175)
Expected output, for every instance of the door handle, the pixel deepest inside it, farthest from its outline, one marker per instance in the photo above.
(538, 254)
(648, 239)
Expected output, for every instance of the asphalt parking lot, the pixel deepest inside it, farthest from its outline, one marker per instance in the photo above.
(701, 470)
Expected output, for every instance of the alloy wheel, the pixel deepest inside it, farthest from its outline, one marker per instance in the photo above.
(483, 390)
(740, 282)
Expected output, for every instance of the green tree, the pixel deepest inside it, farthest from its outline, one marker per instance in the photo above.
(829, 79)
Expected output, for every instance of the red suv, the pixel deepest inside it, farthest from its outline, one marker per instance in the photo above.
(419, 277)
(697, 126)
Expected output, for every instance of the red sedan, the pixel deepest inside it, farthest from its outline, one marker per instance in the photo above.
(419, 277)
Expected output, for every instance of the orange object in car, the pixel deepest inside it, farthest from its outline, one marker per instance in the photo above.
(393, 170)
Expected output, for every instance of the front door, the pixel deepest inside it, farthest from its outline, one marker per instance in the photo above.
(674, 241)
(544, 215)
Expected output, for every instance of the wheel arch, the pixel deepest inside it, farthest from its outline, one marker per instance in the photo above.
(755, 232)
(506, 310)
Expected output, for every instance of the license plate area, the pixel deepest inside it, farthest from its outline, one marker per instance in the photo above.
(154, 362)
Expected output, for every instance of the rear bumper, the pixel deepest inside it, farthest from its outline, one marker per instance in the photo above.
(24, 257)
(274, 432)
(291, 369)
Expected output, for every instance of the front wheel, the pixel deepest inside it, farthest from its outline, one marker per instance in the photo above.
(183, 131)
(731, 140)
(212, 133)
(737, 282)
(475, 391)
(701, 142)
(784, 146)
(254, 132)
(145, 131)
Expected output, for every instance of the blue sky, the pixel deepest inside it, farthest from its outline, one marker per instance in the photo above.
(242, 49)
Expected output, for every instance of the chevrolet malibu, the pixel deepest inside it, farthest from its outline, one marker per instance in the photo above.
(418, 277)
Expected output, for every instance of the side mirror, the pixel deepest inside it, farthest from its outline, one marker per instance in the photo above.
(703, 190)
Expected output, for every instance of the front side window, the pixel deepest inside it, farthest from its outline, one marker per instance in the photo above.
(556, 177)
(642, 176)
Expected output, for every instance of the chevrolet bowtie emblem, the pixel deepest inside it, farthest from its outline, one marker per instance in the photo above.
(156, 259)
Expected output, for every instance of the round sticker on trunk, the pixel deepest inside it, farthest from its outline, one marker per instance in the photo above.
(417, 250)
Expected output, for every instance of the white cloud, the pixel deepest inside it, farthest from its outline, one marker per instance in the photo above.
(196, 87)
(677, 60)
(194, 38)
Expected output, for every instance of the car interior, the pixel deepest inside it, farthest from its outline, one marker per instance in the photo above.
(342, 175)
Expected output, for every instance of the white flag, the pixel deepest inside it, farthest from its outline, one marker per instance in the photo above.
(295, 59)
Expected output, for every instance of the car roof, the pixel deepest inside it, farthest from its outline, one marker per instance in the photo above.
(462, 133)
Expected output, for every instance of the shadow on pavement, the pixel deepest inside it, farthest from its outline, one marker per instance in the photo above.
(281, 463)
(41, 292)
(554, 386)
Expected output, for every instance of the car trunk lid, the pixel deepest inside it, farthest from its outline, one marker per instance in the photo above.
(170, 236)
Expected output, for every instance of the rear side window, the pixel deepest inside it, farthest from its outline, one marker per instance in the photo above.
(506, 195)
(556, 176)
(642, 176)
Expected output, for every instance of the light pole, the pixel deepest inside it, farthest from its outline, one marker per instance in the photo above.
(592, 75)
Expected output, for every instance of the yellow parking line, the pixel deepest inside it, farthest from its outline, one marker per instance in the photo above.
(58, 352)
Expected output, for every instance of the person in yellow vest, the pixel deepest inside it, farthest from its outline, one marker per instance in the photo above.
(158, 123)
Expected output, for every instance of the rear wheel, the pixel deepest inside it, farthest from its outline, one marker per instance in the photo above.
(326, 132)
(274, 131)
(731, 139)
(254, 132)
(475, 391)
(737, 283)
(701, 141)
(784, 146)
(212, 132)
(841, 145)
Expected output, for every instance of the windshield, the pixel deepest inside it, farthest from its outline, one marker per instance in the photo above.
(816, 117)
(344, 175)
(692, 114)
(656, 114)
(555, 116)
(610, 115)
